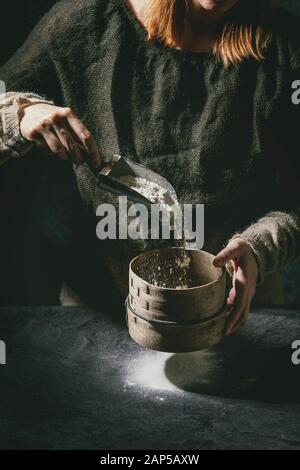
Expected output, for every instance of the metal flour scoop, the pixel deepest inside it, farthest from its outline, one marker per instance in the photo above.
(120, 167)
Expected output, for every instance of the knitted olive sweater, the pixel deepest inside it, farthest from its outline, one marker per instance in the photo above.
(225, 137)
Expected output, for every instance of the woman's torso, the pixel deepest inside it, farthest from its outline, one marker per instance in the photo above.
(208, 129)
(202, 126)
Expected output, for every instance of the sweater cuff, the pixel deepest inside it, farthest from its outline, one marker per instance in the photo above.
(12, 137)
(274, 240)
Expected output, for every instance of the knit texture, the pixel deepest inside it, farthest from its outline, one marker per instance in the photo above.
(225, 137)
(12, 143)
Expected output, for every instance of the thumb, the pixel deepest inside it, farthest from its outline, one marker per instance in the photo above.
(232, 251)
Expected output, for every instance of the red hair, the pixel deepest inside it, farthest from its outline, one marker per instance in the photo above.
(243, 33)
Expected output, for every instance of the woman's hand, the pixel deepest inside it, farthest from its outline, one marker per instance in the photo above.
(244, 282)
(59, 130)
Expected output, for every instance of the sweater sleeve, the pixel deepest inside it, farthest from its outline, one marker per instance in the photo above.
(28, 77)
(275, 238)
(12, 143)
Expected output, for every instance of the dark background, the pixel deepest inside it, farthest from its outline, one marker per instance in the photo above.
(18, 18)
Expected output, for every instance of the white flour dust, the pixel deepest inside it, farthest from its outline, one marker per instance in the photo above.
(149, 189)
(184, 263)
(173, 272)
(154, 371)
(148, 372)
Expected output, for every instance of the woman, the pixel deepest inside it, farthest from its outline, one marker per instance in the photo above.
(198, 90)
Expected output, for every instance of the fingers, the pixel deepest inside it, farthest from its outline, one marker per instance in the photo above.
(231, 297)
(62, 132)
(245, 274)
(75, 153)
(53, 142)
(240, 304)
(86, 139)
(243, 319)
(233, 250)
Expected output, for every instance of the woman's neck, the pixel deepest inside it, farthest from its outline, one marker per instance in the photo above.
(198, 16)
(200, 26)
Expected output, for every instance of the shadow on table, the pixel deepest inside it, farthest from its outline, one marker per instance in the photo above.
(238, 368)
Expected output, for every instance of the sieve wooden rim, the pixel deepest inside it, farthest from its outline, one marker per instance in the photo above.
(153, 322)
(172, 289)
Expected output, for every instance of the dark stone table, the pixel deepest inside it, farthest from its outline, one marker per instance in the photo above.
(75, 380)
